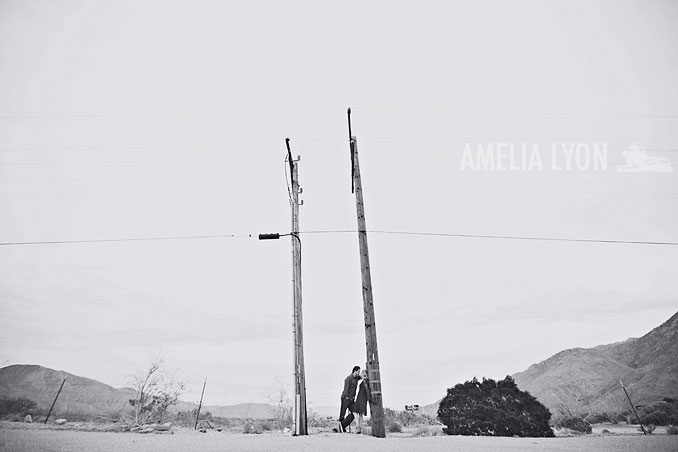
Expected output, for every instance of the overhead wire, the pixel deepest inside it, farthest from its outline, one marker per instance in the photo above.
(354, 231)
(492, 236)
(59, 116)
(126, 239)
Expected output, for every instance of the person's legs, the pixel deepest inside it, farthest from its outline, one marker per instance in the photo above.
(344, 406)
(360, 423)
(350, 404)
(348, 421)
(342, 410)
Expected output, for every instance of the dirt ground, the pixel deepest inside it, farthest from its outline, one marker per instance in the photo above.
(38, 438)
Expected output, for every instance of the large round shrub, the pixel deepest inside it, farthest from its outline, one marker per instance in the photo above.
(493, 408)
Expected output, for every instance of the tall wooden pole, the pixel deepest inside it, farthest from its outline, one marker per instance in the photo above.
(55, 399)
(300, 417)
(197, 416)
(373, 373)
(633, 408)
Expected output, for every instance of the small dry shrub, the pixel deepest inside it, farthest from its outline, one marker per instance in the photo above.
(394, 427)
(250, 427)
(266, 425)
(428, 430)
(649, 428)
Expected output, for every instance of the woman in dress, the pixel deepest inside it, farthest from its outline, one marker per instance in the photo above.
(362, 397)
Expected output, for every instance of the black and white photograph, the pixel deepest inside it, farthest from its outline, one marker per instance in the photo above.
(339, 226)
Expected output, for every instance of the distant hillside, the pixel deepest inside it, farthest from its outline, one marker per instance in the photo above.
(324, 411)
(79, 395)
(587, 380)
(242, 411)
(85, 396)
(430, 410)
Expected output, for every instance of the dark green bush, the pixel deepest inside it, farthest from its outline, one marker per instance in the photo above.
(598, 418)
(20, 406)
(493, 408)
(672, 430)
(574, 423)
(659, 413)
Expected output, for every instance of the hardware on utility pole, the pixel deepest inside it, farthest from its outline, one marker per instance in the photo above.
(300, 418)
(373, 373)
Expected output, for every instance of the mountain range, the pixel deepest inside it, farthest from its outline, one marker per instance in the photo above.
(85, 396)
(587, 380)
(577, 381)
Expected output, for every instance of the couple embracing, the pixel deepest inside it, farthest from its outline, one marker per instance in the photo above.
(354, 398)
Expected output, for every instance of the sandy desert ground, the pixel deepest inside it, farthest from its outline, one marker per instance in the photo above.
(15, 438)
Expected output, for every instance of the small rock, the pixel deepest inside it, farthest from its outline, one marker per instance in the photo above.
(28, 419)
(163, 427)
(60, 421)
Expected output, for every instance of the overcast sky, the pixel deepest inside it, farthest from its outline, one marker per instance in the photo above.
(134, 119)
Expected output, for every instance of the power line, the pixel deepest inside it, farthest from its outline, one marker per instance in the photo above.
(489, 236)
(194, 113)
(74, 116)
(80, 147)
(528, 145)
(353, 231)
(67, 163)
(127, 239)
(544, 113)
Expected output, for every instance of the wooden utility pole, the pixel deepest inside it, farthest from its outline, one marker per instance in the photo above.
(55, 399)
(373, 373)
(300, 417)
(197, 416)
(633, 408)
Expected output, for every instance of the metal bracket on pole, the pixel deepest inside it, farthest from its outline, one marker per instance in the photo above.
(351, 140)
(289, 156)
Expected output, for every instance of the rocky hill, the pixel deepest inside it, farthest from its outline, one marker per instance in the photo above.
(586, 381)
(79, 395)
(84, 396)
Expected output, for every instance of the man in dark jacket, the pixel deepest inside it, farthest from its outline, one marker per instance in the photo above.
(347, 399)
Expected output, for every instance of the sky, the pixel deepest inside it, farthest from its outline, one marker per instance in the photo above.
(147, 119)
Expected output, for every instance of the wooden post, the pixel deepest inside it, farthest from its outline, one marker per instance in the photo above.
(197, 416)
(300, 418)
(633, 408)
(55, 399)
(373, 373)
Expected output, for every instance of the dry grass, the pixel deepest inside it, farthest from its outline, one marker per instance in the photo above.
(33, 438)
(428, 430)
